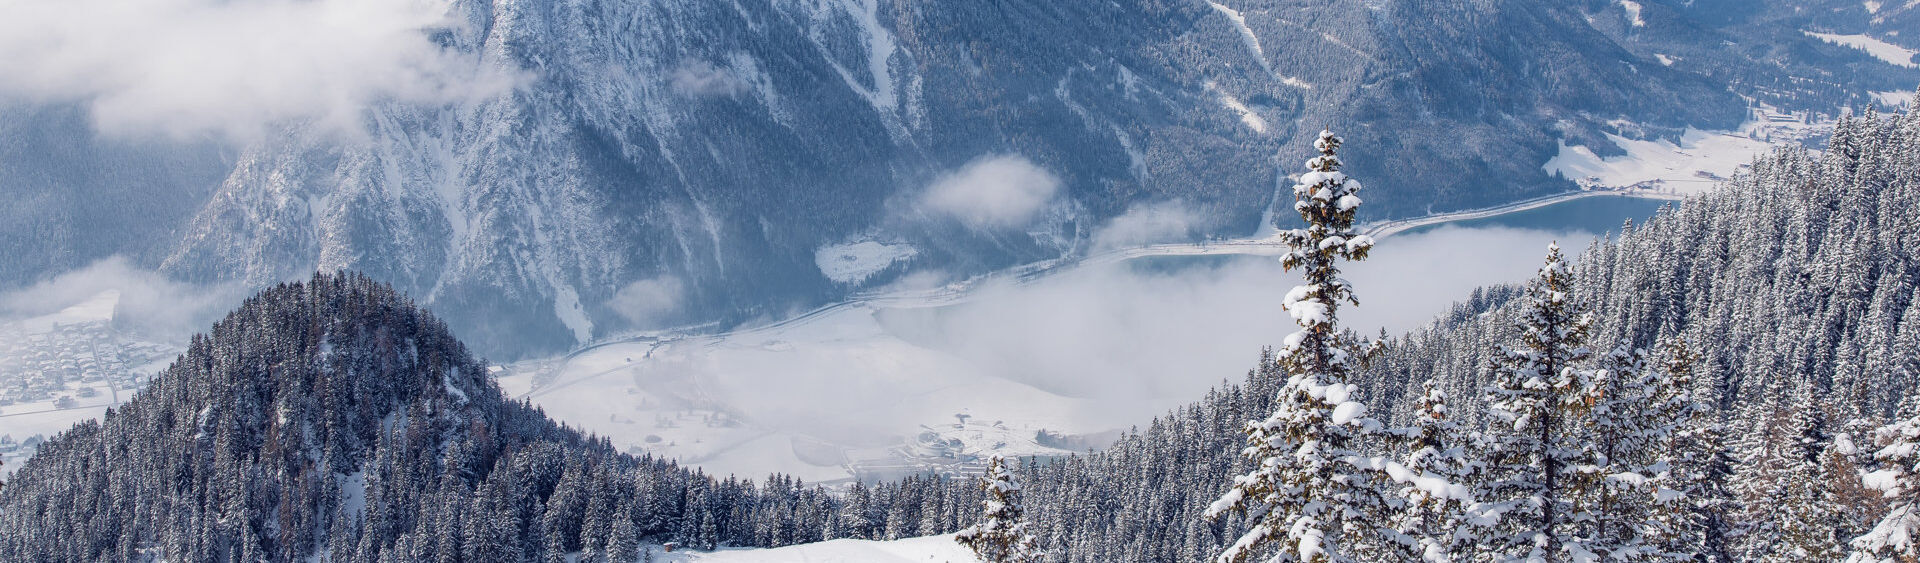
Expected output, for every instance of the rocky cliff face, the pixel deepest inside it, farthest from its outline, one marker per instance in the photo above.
(663, 163)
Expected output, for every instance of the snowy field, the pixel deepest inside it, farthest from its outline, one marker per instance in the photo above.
(1891, 53)
(937, 549)
(854, 263)
(1690, 166)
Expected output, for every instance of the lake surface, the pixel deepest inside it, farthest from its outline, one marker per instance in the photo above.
(1414, 275)
(1571, 223)
(1598, 214)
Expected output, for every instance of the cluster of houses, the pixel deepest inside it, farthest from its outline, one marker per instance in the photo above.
(9, 446)
(73, 360)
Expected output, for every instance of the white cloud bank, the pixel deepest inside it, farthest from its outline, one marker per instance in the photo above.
(1091, 349)
(1167, 221)
(1142, 340)
(234, 68)
(651, 302)
(150, 305)
(996, 192)
(700, 78)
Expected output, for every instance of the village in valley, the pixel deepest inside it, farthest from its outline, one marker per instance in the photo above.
(63, 367)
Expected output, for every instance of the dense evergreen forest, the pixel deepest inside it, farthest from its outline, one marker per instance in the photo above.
(1724, 383)
(1795, 286)
(333, 417)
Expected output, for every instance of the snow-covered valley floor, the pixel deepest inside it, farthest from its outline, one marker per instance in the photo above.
(1692, 164)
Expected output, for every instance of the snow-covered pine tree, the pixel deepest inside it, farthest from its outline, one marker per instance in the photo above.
(1001, 536)
(1854, 507)
(623, 543)
(1433, 523)
(1537, 398)
(1791, 514)
(1896, 537)
(1615, 491)
(1690, 500)
(1309, 491)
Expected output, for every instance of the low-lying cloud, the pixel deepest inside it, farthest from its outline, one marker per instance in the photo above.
(151, 306)
(701, 78)
(1142, 338)
(1167, 221)
(649, 303)
(1091, 349)
(996, 192)
(235, 68)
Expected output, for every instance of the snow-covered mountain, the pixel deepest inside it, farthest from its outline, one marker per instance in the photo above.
(670, 163)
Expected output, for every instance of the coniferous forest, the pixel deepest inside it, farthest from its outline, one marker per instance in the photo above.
(1733, 380)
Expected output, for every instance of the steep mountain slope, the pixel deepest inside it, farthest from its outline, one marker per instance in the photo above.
(682, 162)
(1767, 50)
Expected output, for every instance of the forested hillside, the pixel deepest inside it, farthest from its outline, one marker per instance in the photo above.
(1795, 284)
(333, 418)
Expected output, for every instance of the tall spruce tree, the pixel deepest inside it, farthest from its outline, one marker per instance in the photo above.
(1538, 400)
(1689, 519)
(1433, 523)
(1622, 428)
(1002, 534)
(1309, 490)
(1813, 525)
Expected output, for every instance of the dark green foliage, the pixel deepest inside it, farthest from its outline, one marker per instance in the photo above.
(333, 417)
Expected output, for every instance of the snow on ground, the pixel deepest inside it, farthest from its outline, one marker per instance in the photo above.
(929, 549)
(1894, 99)
(854, 263)
(1694, 164)
(1253, 45)
(60, 409)
(1246, 33)
(1891, 53)
(44, 422)
(1251, 118)
(831, 397)
(1633, 13)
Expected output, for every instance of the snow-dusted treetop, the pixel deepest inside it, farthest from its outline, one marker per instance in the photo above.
(1311, 496)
